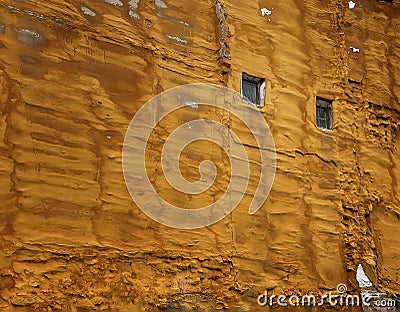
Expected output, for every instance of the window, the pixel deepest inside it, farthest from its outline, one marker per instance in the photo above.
(253, 89)
(324, 114)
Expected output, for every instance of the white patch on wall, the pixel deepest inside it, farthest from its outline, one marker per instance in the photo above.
(187, 101)
(115, 2)
(352, 5)
(355, 50)
(192, 104)
(161, 4)
(87, 11)
(265, 11)
(177, 39)
(31, 37)
(362, 278)
(133, 6)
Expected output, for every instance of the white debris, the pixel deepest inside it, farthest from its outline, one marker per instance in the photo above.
(133, 6)
(177, 39)
(114, 2)
(87, 11)
(161, 4)
(134, 15)
(352, 4)
(108, 137)
(362, 278)
(265, 11)
(30, 13)
(183, 23)
(355, 50)
(11, 8)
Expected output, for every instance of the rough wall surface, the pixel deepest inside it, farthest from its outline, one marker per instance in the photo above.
(73, 74)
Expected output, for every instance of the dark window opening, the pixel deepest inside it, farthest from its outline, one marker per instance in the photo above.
(324, 114)
(253, 89)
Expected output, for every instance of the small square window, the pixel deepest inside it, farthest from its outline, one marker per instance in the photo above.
(253, 89)
(324, 114)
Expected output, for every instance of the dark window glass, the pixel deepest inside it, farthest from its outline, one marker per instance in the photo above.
(253, 89)
(324, 114)
(250, 91)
